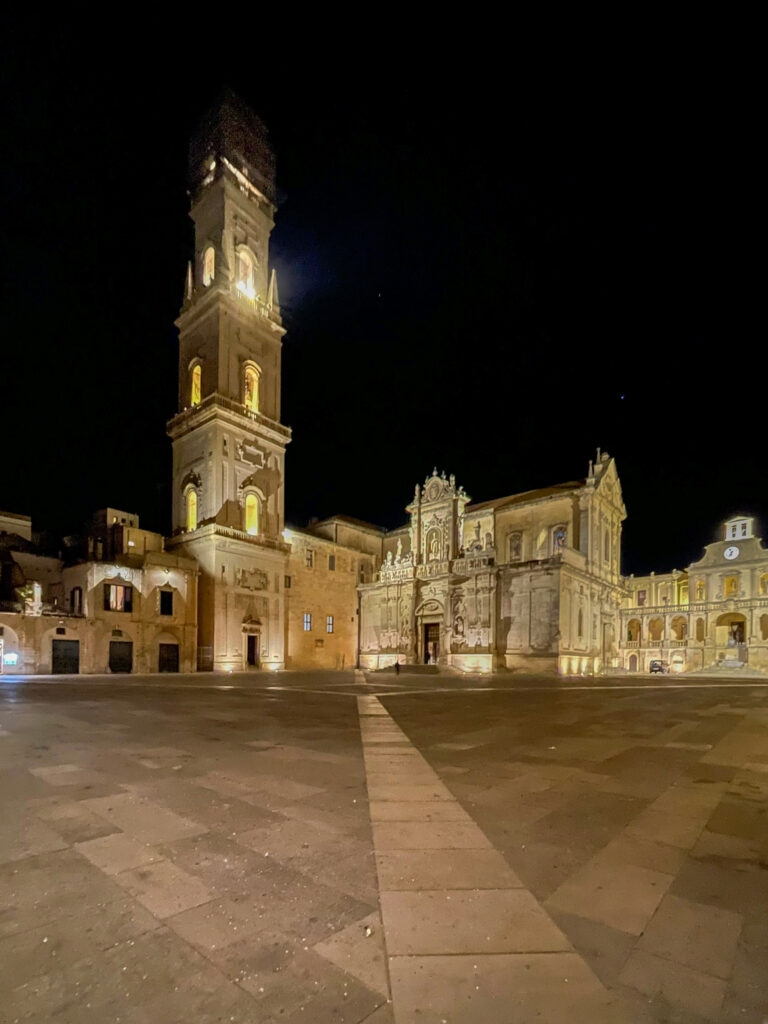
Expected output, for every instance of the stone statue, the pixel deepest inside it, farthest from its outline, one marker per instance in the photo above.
(399, 554)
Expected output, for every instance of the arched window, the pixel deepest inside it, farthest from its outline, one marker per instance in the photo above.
(191, 510)
(251, 514)
(197, 385)
(251, 389)
(245, 273)
(699, 629)
(209, 265)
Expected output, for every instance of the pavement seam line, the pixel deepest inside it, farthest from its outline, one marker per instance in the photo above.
(371, 711)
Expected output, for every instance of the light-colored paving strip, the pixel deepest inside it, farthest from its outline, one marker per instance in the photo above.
(466, 942)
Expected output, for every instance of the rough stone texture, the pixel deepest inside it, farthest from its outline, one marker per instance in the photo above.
(206, 854)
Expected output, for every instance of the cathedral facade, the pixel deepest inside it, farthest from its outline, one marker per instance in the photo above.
(529, 581)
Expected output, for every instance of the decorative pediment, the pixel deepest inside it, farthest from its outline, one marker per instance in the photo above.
(192, 479)
(439, 488)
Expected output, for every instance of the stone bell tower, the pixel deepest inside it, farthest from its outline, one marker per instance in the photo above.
(228, 442)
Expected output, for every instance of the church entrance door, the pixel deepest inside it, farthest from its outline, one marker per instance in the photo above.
(252, 655)
(431, 643)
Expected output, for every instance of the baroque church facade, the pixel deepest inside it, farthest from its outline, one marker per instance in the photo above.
(529, 581)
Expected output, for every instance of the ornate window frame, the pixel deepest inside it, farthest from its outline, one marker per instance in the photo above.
(246, 285)
(208, 265)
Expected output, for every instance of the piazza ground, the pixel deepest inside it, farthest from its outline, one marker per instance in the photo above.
(333, 847)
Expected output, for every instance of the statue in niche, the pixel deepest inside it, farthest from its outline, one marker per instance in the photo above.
(560, 539)
(434, 546)
(389, 559)
(399, 555)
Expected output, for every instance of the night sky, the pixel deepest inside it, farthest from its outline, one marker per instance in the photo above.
(487, 272)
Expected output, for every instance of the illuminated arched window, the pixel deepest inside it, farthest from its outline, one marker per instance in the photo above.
(251, 514)
(209, 265)
(251, 389)
(197, 385)
(245, 273)
(191, 510)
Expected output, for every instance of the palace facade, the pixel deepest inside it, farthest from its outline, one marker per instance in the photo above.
(529, 581)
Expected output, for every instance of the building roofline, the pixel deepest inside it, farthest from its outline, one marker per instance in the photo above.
(524, 497)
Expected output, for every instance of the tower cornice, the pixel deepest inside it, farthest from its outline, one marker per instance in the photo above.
(220, 407)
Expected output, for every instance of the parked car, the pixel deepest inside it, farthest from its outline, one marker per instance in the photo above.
(658, 667)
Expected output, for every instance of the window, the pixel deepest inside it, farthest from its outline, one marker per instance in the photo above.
(287, 582)
(118, 598)
(245, 273)
(307, 621)
(731, 586)
(559, 539)
(197, 384)
(607, 546)
(310, 559)
(166, 602)
(329, 624)
(251, 389)
(191, 510)
(515, 547)
(209, 265)
(580, 628)
(251, 514)
(76, 600)
(641, 597)
(332, 563)
(743, 529)
(764, 584)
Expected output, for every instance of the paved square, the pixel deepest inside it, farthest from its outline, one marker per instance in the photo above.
(329, 847)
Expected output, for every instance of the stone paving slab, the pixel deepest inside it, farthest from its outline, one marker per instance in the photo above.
(550, 988)
(572, 789)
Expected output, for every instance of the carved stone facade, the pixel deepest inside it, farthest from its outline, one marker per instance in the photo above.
(714, 614)
(528, 581)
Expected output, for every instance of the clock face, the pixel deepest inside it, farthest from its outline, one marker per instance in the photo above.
(731, 552)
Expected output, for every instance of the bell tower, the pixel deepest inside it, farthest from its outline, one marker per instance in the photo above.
(228, 442)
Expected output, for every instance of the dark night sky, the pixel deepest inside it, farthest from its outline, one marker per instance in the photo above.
(493, 273)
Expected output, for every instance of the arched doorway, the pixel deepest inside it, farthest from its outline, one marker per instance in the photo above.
(656, 630)
(731, 630)
(679, 626)
(634, 631)
(429, 626)
(633, 663)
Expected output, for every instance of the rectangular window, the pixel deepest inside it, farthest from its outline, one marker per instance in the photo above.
(310, 559)
(329, 624)
(307, 622)
(332, 563)
(641, 595)
(287, 582)
(166, 602)
(117, 598)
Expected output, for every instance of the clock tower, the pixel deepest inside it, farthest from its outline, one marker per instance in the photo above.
(228, 441)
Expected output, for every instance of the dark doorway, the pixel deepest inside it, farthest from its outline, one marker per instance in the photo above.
(65, 659)
(253, 650)
(431, 643)
(120, 656)
(168, 660)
